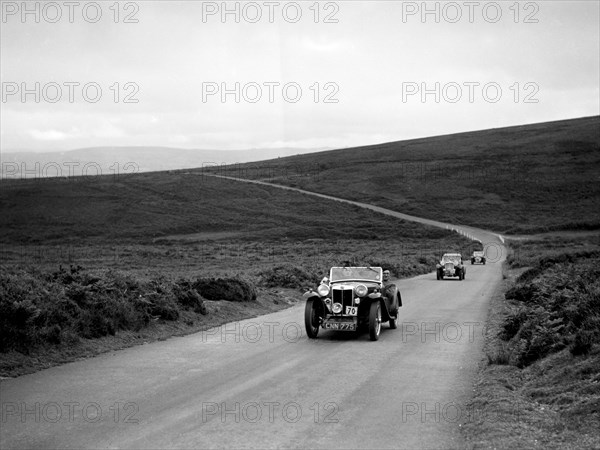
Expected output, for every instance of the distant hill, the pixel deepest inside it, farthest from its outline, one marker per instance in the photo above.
(141, 208)
(524, 179)
(521, 179)
(118, 160)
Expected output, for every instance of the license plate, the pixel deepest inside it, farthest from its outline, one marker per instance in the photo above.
(351, 310)
(344, 326)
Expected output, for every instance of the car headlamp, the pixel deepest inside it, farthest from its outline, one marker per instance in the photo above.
(323, 290)
(361, 290)
(337, 308)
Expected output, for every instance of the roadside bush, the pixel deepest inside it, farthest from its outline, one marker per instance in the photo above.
(288, 276)
(557, 306)
(50, 308)
(188, 297)
(550, 261)
(512, 324)
(16, 320)
(230, 289)
(522, 293)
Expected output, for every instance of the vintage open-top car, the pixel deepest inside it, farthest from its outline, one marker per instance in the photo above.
(478, 257)
(350, 299)
(451, 265)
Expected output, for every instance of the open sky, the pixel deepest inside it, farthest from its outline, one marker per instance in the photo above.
(288, 74)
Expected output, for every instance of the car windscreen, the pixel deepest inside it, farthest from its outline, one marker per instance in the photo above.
(452, 259)
(356, 273)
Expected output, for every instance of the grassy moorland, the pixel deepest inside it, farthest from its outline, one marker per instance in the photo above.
(90, 264)
(540, 386)
(185, 223)
(524, 179)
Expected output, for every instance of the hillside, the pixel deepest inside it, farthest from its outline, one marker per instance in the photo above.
(187, 223)
(142, 207)
(124, 160)
(524, 179)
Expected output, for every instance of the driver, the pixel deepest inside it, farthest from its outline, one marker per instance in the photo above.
(386, 277)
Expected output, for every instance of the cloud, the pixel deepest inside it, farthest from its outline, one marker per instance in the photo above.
(363, 61)
(48, 135)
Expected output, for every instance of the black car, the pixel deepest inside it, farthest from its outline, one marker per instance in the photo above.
(451, 265)
(478, 258)
(352, 298)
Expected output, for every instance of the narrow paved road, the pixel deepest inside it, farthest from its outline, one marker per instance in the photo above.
(262, 383)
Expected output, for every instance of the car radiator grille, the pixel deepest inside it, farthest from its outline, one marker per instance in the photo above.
(343, 296)
(449, 266)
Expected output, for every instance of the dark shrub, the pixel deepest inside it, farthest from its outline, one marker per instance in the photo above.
(51, 334)
(165, 311)
(582, 344)
(523, 293)
(16, 321)
(512, 324)
(560, 307)
(188, 297)
(287, 276)
(230, 289)
(93, 324)
(52, 308)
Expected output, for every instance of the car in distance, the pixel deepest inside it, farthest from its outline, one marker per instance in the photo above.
(478, 257)
(350, 299)
(451, 265)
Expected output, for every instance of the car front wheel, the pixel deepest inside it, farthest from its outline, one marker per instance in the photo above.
(311, 319)
(375, 321)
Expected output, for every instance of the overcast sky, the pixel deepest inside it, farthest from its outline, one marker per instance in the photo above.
(355, 77)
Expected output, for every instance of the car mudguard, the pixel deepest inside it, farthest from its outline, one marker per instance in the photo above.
(392, 292)
(365, 306)
(317, 299)
(310, 294)
(385, 312)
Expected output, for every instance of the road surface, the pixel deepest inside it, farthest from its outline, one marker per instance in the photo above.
(261, 383)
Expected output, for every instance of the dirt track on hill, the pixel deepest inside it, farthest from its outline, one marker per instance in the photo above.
(262, 383)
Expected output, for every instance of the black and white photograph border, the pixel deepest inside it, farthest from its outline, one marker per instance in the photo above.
(184, 186)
